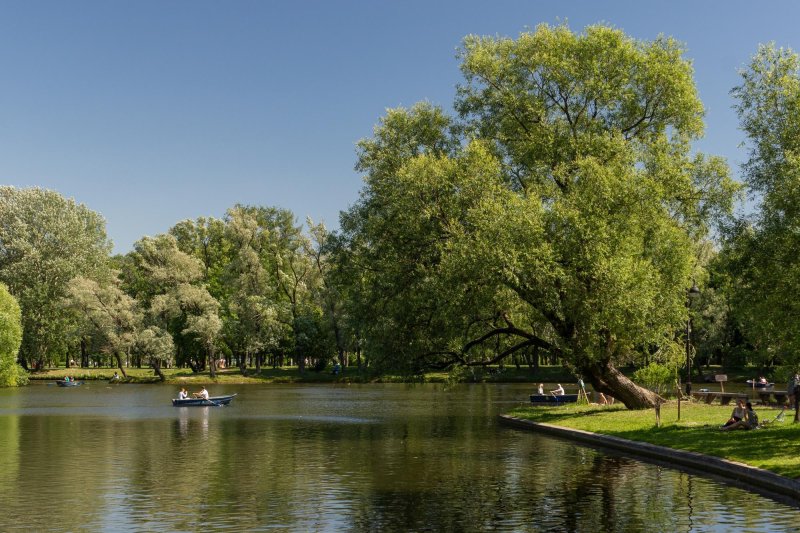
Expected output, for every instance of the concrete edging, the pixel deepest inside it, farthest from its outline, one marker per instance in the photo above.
(738, 472)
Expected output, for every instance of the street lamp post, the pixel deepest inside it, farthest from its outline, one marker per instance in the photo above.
(692, 293)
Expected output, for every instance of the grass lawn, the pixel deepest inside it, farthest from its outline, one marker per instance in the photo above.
(549, 374)
(775, 448)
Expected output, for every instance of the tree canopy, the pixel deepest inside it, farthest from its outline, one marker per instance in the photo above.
(558, 211)
(45, 241)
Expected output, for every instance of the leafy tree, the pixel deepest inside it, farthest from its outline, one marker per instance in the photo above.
(157, 347)
(761, 251)
(45, 241)
(252, 302)
(328, 294)
(168, 284)
(559, 212)
(11, 374)
(109, 312)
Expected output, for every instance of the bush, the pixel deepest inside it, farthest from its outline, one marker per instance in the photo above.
(656, 377)
(11, 374)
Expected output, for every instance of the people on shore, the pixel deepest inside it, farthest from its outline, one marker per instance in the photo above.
(737, 415)
(183, 394)
(605, 399)
(794, 381)
(750, 420)
(203, 393)
(559, 391)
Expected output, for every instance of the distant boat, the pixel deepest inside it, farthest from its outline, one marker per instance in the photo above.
(71, 383)
(201, 402)
(554, 399)
(758, 384)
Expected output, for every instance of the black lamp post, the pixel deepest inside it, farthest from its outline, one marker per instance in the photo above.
(692, 293)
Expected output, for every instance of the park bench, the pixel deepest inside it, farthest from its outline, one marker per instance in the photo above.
(780, 397)
(724, 397)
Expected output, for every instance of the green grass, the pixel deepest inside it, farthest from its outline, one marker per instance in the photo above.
(548, 374)
(775, 448)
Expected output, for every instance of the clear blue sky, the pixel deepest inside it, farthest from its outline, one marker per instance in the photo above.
(151, 112)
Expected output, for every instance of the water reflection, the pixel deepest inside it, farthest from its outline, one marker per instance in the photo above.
(389, 458)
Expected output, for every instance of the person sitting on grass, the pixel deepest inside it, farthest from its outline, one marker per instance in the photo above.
(605, 399)
(737, 414)
(750, 420)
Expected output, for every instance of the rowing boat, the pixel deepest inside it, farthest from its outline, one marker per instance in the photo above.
(201, 402)
(71, 383)
(554, 399)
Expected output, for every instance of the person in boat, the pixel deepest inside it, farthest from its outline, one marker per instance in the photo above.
(202, 394)
(737, 415)
(66, 379)
(750, 420)
(183, 394)
(541, 389)
(762, 380)
(559, 390)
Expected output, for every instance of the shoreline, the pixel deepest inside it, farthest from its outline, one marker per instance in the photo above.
(740, 474)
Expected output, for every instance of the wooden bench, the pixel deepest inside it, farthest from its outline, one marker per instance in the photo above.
(780, 397)
(724, 397)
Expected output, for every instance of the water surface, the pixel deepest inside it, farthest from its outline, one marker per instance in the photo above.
(332, 458)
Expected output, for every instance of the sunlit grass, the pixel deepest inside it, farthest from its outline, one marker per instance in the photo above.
(775, 448)
(291, 374)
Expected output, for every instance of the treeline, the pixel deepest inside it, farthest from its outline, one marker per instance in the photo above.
(246, 290)
(561, 213)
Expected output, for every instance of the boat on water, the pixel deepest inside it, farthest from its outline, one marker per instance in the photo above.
(201, 402)
(70, 383)
(758, 384)
(553, 398)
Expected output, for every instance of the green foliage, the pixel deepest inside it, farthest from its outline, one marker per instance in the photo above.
(45, 241)
(559, 210)
(657, 377)
(760, 254)
(11, 374)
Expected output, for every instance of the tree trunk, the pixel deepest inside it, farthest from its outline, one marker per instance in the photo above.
(605, 378)
(212, 364)
(156, 364)
(243, 363)
(118, 357)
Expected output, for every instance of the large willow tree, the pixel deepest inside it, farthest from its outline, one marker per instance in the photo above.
(557, 212)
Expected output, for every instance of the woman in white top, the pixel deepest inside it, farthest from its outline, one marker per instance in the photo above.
(182, 395)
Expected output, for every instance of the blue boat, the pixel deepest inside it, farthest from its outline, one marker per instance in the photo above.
(554, 399)
(70, 383)
(215, 401)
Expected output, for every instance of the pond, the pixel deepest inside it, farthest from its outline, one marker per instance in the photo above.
(332, 458)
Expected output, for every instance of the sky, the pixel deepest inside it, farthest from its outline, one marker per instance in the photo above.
(152, 112)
